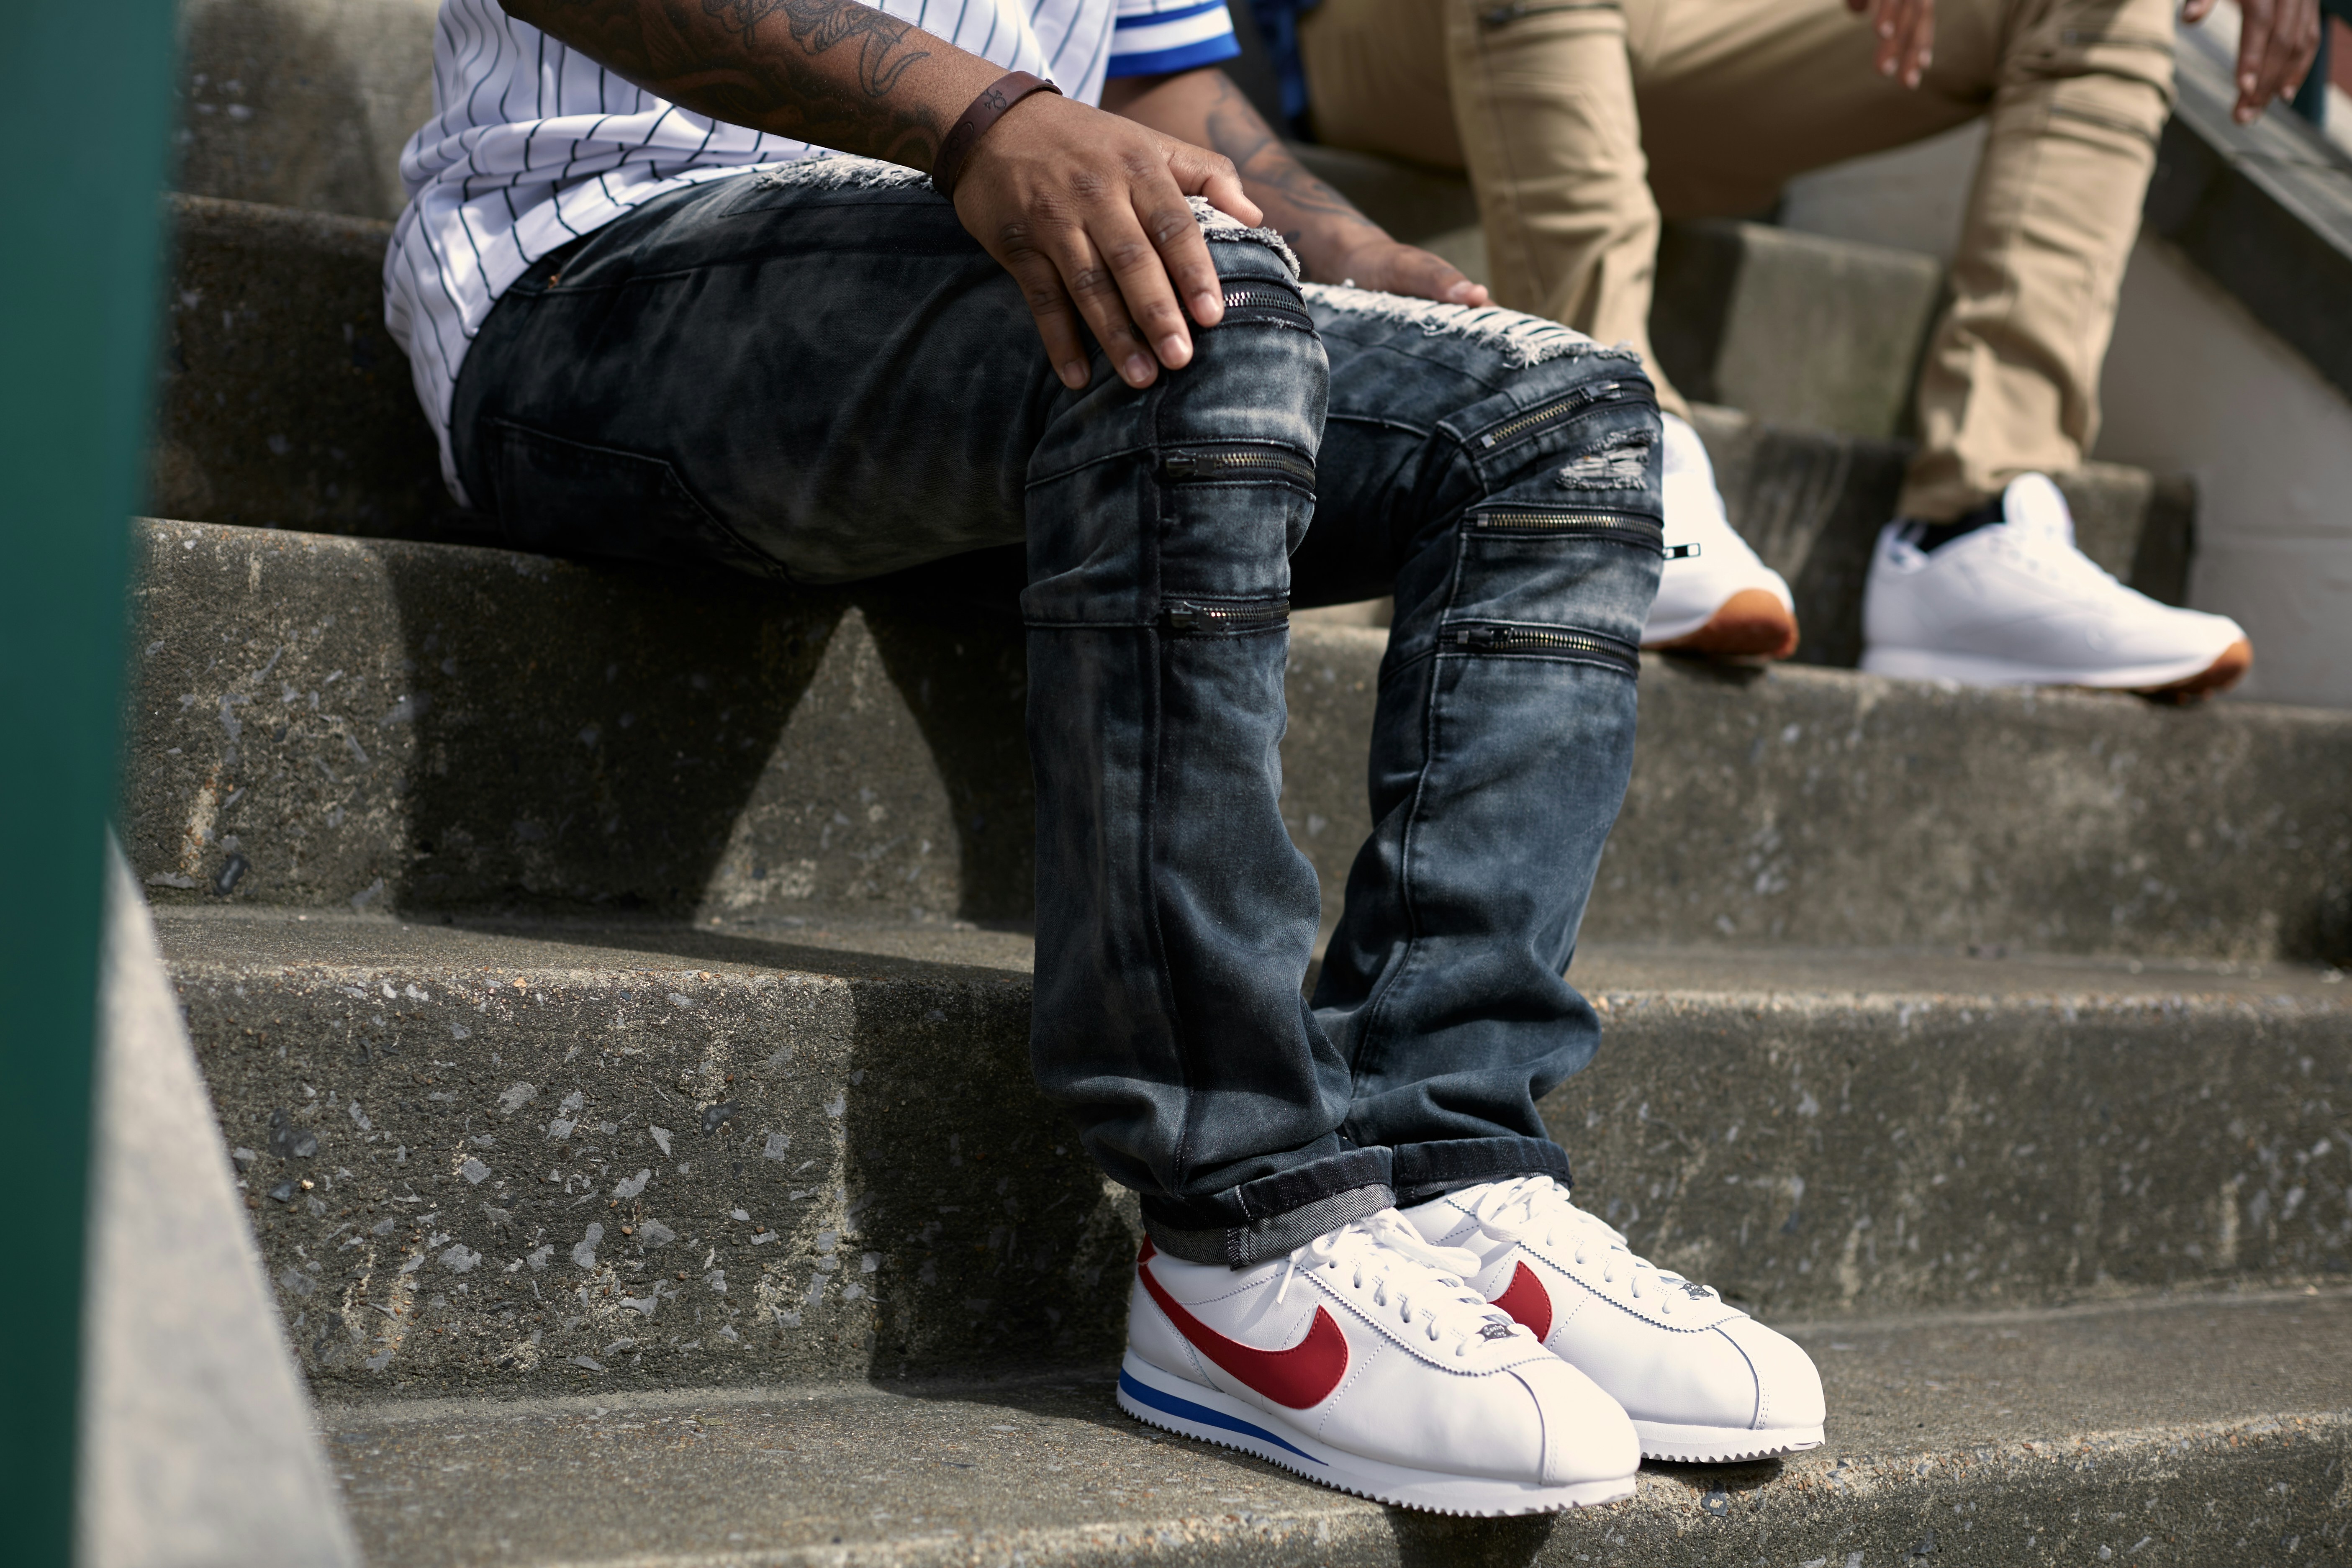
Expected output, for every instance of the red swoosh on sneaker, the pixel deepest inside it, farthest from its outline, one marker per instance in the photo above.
(1303, 1375)
(1527, 1303)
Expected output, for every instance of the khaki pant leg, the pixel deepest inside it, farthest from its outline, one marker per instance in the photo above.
(2010, 383)
(1543, 99)
(1376, 78)
(1738, 97)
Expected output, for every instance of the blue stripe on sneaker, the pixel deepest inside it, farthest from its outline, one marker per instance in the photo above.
(1184, 1409)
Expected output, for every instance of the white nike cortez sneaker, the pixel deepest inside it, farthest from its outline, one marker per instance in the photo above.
(1713, 595)
(2015, 604)
(1702, 1380)
(1363, 1362)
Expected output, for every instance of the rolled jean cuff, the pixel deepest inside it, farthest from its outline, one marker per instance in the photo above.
(1284, 1211)
(1421, 1171)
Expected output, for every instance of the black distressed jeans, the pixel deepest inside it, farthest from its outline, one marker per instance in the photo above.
(818, 376)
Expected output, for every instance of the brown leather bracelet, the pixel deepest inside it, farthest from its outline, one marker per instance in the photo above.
(986, 110)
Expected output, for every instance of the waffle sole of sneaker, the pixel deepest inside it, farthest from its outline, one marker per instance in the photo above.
(2207, 671)
(1721, 1444)
(1160, 1398)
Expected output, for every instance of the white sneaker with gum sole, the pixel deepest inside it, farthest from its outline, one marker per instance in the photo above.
(1362, 1361)
(2015, 604)
(1715, 596)
(1701, 1379)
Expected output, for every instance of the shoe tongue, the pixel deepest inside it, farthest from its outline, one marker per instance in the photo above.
(2032, 504)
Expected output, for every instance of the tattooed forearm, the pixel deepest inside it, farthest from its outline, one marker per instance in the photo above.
(1267, 168)
(774, 64)
(819, 24)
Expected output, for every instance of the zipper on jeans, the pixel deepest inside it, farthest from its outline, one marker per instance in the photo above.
(1636, 531)
(1551, 414)
(1503, 16)
(1189, 619)
(1264, 300)
(1498, 637)
(1197, 464)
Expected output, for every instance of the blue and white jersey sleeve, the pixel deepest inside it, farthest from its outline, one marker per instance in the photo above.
(1155, 36)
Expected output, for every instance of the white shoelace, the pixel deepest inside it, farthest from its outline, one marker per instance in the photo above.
(1538, 1206)
(1404, 1270)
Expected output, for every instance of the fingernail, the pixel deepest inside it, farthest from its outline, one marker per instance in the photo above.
(1174, 350)
(1886, 67)
(1074, 376)
(1887, 29)
(1139, 370)
(1205, 305)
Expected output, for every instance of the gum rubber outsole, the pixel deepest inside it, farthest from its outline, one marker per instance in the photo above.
(2188, 677)
(1721, 1444)
(1160, 1398)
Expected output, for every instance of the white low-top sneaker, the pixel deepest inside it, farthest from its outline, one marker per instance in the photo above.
(1715, 596)
(2015, 604)
(1363, 1362)
(1702, 1380)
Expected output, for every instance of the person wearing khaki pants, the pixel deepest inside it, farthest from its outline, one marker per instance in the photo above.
(1582, 122)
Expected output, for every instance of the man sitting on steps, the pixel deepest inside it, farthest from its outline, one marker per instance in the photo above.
(1580, 120)
(676, 287)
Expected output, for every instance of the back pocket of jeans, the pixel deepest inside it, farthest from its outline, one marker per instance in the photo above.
(568, 498)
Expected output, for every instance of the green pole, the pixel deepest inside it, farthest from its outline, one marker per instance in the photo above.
(85, 111)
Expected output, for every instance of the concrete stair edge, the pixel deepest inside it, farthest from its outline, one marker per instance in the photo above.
(433, 726)
(1825, 1134)
(2197, 1470)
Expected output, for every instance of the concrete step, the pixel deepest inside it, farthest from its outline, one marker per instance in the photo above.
(2199, 1431)
(284, 404)
(827, 1152)
(326, 722)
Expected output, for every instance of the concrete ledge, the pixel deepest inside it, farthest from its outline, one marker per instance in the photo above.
(332, 723)
(1814, 1134)
(284, 404)
(1998, 1440)
(324, 722)
(1821, 334)
(282, 401)
(1824, 808)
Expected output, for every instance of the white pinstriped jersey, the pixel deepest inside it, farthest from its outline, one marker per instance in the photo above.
(533, 144)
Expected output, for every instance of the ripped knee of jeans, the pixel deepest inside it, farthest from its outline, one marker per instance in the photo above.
(1223, 227)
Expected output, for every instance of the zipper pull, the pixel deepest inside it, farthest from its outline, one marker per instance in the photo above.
(1180, 464)
(1682, 551)
(1483, 636)
(1183, 618)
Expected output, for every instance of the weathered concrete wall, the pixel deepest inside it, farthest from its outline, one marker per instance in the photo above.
(422, 726)
(302, 103)
(282, 401)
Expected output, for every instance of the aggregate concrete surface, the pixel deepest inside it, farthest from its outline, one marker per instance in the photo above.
(322, 722)
(2189, 1430)
(517, 1138)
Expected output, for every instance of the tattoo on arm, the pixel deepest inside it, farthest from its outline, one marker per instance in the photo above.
(726, 58)
(819, 24)
(1241, 133)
